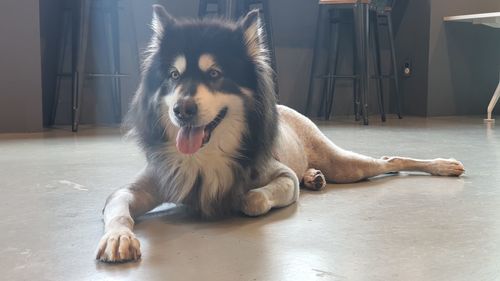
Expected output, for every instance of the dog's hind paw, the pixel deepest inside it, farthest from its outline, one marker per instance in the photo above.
(314, 180)
(446, 167)
(118, 245)
(256, 203)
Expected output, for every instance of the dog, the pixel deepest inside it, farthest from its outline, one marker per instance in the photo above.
(206, 117)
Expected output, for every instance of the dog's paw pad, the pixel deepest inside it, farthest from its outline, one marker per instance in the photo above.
(314, 179)
(118, 246)
(256, 203)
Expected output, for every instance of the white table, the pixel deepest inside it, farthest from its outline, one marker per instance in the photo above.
(492, 20)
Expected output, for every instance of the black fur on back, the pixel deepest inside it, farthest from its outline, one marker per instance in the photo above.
(245, 68)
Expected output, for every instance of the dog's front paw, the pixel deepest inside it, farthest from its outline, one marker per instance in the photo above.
(118, 245)
(446, 167)
(256, 203)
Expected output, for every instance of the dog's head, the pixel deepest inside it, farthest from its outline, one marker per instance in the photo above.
(201, 75)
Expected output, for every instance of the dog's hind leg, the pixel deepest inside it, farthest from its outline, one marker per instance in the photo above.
(343, 166)
(119, 243)
(282, 189)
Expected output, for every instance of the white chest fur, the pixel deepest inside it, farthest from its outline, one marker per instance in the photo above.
(214, 162)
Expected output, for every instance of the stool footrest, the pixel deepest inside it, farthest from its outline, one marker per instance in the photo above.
(107, 75)
(104, 75)
(382, 77)
(337, 76)
(353, 76)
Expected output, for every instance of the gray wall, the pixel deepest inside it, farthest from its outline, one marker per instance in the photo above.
(20, 71)
(455, 65)
(412, 45)
(464, 59)
(293, 32)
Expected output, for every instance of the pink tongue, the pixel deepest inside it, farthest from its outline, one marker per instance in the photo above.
(190, 139)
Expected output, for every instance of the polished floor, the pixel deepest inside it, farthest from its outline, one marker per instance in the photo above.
(397, 227)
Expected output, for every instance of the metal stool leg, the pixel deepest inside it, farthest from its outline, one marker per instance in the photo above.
(63, 44)
(328, 77)
(327, 83)
(79, 58)
(394, 65)
(115, 60)
(378, 68)
(332, 63)
(325, 97)
(362, 25)
(313, 63)
(355, 80)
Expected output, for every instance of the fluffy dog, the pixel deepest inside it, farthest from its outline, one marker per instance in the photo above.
(206, 117)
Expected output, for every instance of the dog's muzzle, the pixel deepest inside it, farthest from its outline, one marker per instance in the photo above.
(191, 138)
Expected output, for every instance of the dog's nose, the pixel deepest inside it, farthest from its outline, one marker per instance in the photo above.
(185, 109)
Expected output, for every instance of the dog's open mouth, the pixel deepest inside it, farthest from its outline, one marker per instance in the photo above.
(190, 138)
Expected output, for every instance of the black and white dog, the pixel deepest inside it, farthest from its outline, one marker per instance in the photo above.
(206, 117)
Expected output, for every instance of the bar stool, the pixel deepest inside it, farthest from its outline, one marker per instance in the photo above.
(75, 32)
(235, 9)
(364, 37)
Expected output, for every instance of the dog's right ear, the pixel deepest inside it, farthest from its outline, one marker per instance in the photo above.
(161, 19)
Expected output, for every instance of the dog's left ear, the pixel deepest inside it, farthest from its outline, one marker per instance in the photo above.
(253, 34)
(161, 19)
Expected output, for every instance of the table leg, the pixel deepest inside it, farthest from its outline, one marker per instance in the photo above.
(492, 104)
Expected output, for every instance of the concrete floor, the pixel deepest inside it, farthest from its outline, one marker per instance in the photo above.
(407, 227)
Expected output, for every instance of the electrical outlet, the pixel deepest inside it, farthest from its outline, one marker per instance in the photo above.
(407, 68)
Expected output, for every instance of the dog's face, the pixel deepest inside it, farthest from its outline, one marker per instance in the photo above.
(207, 75)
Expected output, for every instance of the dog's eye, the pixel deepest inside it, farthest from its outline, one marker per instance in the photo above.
(214, 73)
(175, 75)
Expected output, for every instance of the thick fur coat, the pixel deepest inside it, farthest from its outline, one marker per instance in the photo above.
(206, 116)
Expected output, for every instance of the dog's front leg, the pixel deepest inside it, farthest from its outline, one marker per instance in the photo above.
(119, 243)
(282, 189)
